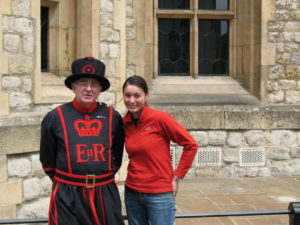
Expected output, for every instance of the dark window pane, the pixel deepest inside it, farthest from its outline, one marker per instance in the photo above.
(173, 4)
(173, 46)
(213, 47)
(214, 4)
(44, 38)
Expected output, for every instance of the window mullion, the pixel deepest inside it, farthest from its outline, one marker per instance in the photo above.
(194, 47)
(194, 40)
(209, 14)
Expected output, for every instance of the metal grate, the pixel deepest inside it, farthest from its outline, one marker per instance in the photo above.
(173, 155)
(209, 157)
(252, 157)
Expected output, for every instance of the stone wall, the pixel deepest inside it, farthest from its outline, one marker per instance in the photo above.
(283, 84)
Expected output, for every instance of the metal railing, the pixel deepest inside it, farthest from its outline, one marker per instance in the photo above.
(293, 211)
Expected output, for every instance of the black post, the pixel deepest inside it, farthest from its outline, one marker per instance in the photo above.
(294, 207)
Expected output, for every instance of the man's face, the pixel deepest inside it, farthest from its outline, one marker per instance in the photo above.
(86, 90)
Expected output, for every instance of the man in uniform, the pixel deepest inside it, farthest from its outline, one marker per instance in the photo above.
(81, 149)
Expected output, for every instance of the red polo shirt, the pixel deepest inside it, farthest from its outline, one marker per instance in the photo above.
(148, 148)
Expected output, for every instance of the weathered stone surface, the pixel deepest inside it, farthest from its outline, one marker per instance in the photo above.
(3, 168)
(36, 166)
(21, 8)
(11, 83)
(243, 118)
(234, 139)
(283, 138)
(22, 119)
(278, 153)
(285, 168)
(282, 117)
(201, 137)
(230, 155)
(256, 138)
(12, 43)
(7, 212)
(295, 152)
(11, 192)
(217, 138)
(35, 209)
(31, 188)
(20, 65)
(19, 139)
(194, 118)
(19, 167)
(46, 186)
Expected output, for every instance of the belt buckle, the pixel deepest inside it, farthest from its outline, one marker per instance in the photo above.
(89, 184)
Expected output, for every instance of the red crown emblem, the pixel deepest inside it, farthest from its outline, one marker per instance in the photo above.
(88, 127)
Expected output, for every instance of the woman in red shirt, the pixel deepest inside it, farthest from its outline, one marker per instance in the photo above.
(151, 183)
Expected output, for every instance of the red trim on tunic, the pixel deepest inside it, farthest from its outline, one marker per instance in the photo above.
(54, 217)
(48, 169)
(102, 206)
(93, 208)
(65, 137)
(110, 137)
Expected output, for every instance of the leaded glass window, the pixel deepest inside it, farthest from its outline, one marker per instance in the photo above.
(173, 46)
(214, 4)
(193, 37)
(173, 4)
(213, 47)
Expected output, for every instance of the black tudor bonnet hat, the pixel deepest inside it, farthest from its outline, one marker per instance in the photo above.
(88, 67)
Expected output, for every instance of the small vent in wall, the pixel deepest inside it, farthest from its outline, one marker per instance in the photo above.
(208, 157)
(252, 157)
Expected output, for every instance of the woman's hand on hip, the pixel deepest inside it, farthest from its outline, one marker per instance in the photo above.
(175, 185)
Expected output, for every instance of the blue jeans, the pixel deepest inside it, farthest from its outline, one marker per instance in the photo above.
(154, 209)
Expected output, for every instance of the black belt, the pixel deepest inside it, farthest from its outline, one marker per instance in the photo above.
(88, 180)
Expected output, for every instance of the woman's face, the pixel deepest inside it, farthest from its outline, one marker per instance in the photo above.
(134, 99)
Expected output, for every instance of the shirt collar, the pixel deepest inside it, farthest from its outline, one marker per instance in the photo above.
(128, 116)
(83, 109)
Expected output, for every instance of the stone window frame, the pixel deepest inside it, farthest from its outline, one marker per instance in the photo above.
(194, 14)
(245, 44)
(73, 33)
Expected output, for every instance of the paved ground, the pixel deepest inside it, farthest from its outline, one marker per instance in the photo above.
(237, 194)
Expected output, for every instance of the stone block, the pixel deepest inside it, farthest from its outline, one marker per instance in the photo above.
(3, 169)
(31, 188)
(278, 153)
(19, 139)
(19, 167)
(34, 209)
(243, 118)
(193, 118)
(3, 63)
(5, 7)
(256, 138)
(4, 104)
(7, 212)
(279, 117)
(11, 192)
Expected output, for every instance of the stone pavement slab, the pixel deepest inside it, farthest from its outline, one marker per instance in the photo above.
(202, 195)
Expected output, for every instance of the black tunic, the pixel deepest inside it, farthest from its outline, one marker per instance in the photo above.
(81, 150)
